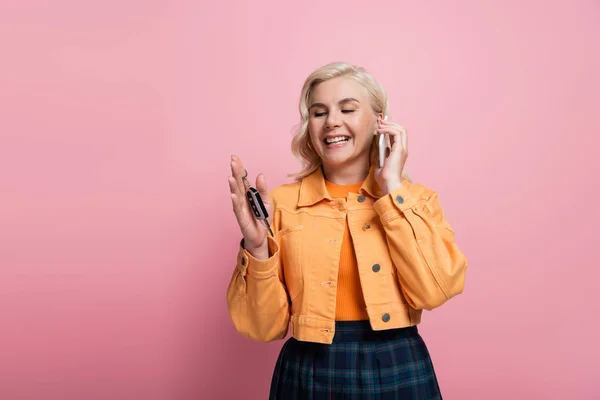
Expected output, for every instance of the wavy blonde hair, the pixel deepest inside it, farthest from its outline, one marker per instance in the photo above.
(301, 144)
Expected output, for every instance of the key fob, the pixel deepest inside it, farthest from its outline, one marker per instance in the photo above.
(256, 203)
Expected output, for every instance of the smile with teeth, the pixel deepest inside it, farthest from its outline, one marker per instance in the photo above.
(337, 139)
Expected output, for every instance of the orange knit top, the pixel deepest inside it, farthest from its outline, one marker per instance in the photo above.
(350, 303)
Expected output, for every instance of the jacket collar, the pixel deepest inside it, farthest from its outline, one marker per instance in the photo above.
(313, 189)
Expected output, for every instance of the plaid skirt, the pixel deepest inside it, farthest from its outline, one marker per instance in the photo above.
(359, 364)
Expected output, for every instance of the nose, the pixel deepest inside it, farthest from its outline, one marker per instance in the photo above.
(333, 121)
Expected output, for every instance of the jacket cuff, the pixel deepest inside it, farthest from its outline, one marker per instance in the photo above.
(395, 203)
(261, 269)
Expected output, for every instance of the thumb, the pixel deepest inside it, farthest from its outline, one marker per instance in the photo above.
(261, 186)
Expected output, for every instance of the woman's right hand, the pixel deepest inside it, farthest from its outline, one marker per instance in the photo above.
(253, 230)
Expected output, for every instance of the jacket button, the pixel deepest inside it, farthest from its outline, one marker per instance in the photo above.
(399, 199)
(361, 198)
(376, 268)
(385, 317)
(243, 260)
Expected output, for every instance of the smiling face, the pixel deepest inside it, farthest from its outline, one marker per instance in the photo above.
(341, 122)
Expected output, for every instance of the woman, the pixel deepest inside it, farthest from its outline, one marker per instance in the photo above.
(357, 253)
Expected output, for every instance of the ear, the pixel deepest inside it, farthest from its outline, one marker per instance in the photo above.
(378, 117)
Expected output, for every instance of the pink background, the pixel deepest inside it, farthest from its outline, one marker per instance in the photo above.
(117, 240)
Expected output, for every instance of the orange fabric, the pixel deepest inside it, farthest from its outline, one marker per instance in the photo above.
(350, 303)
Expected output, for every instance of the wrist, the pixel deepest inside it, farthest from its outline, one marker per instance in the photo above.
(392, 185)
(260, 253)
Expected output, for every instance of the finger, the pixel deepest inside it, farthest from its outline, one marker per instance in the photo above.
(233, 186)
(245, 184)
(394, 130)
(391, 132)
(261, 186)
(402, 136)
(391, 125)
(240, 203)
(396, 138)
(241, 213)
(238, 171)
(237, 206)
(383, 122)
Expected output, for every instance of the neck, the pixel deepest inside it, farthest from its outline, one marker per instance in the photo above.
(346, 175)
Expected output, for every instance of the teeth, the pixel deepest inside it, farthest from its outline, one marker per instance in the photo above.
(336, 140)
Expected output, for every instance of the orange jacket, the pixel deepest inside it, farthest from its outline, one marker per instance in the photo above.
(405, 249)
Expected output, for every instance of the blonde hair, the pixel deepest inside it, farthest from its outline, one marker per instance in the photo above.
(301, 144)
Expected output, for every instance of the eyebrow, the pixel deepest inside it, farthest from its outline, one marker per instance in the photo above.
(343, 101)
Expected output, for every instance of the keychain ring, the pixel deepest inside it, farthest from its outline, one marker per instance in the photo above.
(245, 180)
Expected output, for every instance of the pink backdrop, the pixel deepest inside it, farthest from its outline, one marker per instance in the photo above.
(117, 240)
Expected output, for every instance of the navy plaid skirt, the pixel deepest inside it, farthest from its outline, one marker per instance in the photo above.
(359, 364)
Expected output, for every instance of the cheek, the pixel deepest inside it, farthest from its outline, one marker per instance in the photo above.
(313, 129)
(364, 128)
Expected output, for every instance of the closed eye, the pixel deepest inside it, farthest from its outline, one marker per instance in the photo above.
(322, 114)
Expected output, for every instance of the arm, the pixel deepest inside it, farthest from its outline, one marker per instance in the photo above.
(431, 268)
(257, 298)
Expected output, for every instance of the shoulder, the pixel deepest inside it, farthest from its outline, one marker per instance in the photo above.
(286, 194)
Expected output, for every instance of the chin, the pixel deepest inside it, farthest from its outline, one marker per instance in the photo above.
(337, 161)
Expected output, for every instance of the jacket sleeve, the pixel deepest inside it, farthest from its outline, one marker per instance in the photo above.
(257, 297)
(431, 268)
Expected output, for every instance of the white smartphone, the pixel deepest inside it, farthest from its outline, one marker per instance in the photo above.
(382, 146)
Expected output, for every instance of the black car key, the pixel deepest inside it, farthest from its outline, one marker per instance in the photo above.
(256, 203)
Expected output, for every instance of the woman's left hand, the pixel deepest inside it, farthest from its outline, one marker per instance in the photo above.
(390, 176)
